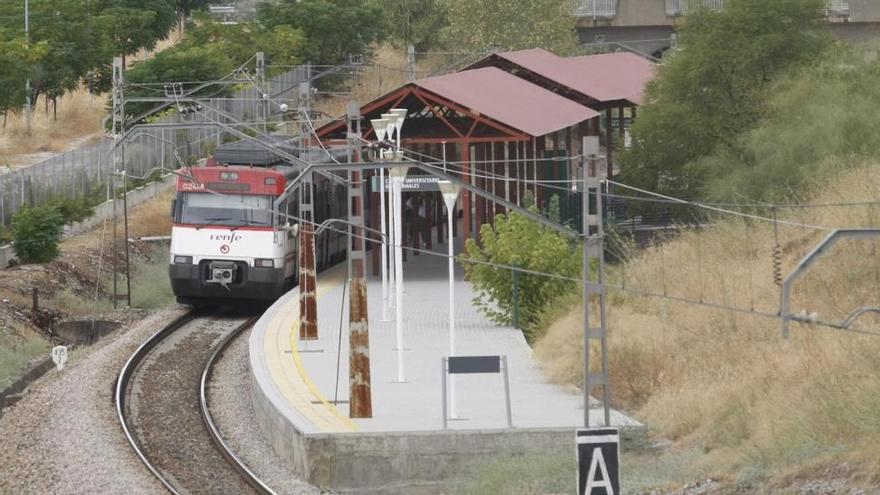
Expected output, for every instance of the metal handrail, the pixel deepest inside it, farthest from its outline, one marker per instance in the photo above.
(682, 7)
(596, 8)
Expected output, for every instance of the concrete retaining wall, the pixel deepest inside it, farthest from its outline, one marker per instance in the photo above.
(33, 372)
(104, 211)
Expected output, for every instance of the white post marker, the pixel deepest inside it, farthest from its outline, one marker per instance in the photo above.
(450, 195)
(59, 356)
(380, 127)
(598, 459)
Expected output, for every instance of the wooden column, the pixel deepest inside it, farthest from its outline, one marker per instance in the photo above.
(609, 144)
(480, 181)
(466, 195)
(541, 144)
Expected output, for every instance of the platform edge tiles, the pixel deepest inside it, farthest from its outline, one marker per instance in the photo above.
(324, 448)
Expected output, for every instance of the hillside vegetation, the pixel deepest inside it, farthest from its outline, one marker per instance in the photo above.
(726, 383)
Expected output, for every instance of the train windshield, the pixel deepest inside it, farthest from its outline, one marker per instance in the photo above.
(204, 209)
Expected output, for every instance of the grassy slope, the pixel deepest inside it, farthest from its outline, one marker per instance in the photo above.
(759, 407)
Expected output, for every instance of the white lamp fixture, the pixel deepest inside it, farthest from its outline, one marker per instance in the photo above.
(401, 114)
(381, 128)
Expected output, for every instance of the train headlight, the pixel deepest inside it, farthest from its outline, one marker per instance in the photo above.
(264, 263)
(183, 260)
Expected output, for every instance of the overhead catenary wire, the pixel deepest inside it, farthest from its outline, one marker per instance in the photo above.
(721, 210)
(579, 280)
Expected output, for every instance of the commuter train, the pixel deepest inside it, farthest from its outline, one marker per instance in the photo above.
(226, 242)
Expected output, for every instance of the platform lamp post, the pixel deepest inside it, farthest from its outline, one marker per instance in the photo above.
(390, 128)
(397, 174)
(380, 126)
(450, 195)
(400, 116)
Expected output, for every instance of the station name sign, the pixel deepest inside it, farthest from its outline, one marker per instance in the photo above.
(425, 183)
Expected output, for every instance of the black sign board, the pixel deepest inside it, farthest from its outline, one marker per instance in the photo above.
(598, 456)
(474, 364)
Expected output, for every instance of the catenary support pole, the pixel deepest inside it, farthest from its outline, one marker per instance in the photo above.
(308, 305)
(360, 399)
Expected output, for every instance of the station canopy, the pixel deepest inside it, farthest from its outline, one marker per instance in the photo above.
(610, 78)
(480, 105)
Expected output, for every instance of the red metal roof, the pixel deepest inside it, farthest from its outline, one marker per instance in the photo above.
(509, 100)
(606, 77)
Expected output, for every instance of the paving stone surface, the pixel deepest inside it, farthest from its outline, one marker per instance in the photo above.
(416, 403)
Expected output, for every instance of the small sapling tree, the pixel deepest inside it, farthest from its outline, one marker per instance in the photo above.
(519, 241)
(37, 232)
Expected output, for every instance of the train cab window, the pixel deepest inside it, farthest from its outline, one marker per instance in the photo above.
(205, 209)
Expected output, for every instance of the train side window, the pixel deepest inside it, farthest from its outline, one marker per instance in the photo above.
(281, 220)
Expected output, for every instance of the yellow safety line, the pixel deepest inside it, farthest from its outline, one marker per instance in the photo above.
(305, 376)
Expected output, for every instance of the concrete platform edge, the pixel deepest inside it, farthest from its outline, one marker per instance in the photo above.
(387, 462)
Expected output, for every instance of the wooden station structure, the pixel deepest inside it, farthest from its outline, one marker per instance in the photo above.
(498, 125)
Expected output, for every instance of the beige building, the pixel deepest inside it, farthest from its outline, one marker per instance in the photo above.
(647, 26)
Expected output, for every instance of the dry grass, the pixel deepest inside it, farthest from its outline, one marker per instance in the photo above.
(728, 383)
(79, 120)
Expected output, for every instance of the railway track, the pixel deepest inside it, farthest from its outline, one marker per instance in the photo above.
(162, 405)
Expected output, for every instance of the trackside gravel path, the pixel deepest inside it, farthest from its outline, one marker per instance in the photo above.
(64, 436)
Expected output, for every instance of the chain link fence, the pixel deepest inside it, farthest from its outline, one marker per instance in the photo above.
(86, 171)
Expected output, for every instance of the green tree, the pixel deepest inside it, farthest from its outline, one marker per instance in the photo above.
(519, 241)
(511, 24)
(414, 22)
(333, 29)
(713, 86)
(37, 232)
(132, 25)
(211, 51)
(16, 58)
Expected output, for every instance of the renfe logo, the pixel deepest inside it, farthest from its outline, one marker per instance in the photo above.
(226, 237)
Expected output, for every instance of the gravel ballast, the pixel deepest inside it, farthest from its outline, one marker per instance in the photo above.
(233, 412)
(64, 437)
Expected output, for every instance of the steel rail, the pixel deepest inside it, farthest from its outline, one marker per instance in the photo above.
(128, 372)
(216, 436)
(122, 383)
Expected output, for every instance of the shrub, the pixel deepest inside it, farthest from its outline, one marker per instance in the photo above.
(37, 231)
(518, 241)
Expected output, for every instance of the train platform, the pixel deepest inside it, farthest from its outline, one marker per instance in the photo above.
(301, 387)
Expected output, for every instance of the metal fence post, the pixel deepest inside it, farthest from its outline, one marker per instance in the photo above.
(443, 372)
(515, 296)
(507, 391)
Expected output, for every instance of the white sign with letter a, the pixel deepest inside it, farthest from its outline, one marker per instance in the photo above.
(59, 356)
(598, 457)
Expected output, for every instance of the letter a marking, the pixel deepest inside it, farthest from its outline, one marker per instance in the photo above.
(598, 461)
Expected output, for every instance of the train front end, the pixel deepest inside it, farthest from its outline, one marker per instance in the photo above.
(226, 244)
